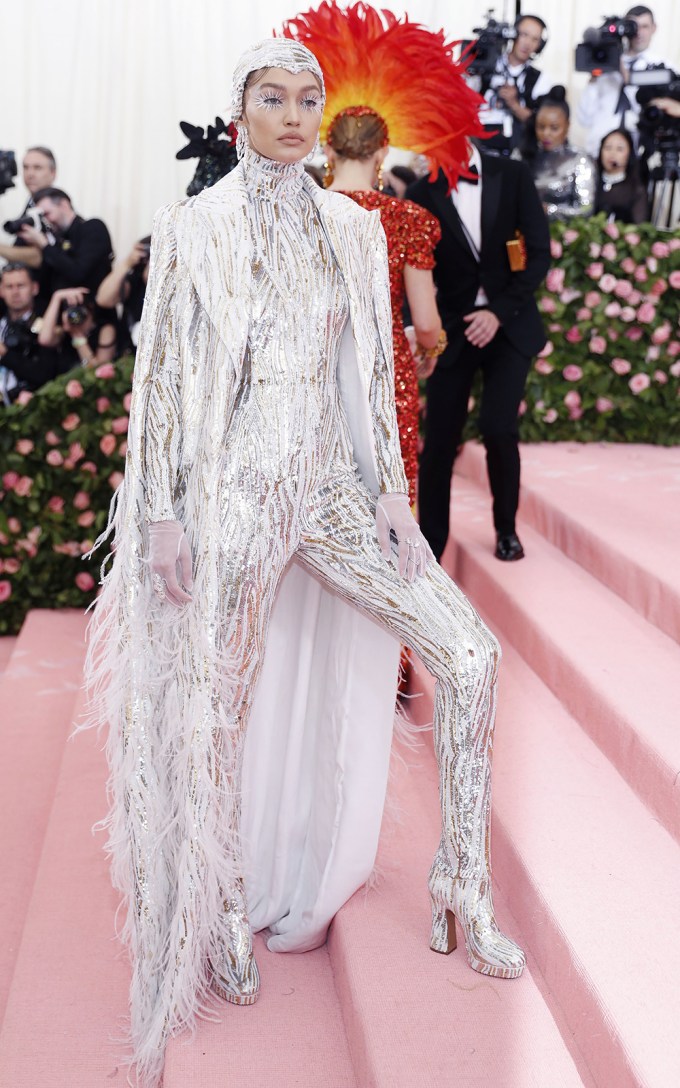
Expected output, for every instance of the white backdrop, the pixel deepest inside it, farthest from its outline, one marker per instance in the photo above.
(104, 83)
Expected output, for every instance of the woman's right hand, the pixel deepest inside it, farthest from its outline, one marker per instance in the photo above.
(169, 546)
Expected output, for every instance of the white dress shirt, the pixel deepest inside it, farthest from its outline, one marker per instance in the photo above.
(467, 200)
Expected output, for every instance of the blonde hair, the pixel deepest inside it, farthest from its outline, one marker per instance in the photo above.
(357, 133)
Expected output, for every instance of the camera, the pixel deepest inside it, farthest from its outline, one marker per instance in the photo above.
(13, 226)
(602, 46)
(76, 315)
(8, 170)
(491, 42)
(18, 336)
(658, 131)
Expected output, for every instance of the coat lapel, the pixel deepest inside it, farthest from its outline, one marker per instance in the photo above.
(491, 196)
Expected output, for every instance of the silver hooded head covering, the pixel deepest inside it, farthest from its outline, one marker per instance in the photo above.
(271, 53)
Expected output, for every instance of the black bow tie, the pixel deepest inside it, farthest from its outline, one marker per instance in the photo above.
(474, 180)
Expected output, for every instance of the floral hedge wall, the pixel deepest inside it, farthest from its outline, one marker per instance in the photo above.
(609, 372)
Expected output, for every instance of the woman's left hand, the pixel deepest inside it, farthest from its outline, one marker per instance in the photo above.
(393, 514)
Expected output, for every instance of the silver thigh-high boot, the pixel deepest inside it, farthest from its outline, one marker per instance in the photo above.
(235, 976)
(460, 878)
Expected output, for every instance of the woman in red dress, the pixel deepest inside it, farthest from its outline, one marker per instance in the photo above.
(355, 149)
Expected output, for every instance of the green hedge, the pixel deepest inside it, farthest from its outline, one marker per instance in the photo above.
(609, 372)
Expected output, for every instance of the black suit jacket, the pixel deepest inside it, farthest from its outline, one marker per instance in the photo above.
(509, 203)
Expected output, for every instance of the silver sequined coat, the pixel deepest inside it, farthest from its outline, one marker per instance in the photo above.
(161, 679)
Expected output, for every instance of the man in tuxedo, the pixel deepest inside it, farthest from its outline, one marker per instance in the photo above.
(493, 324)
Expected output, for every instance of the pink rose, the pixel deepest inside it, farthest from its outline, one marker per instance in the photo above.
(115, 479)
(87, 518)
(84, 581)
(595, 270)
(575, 413)
(674, 278)
(554, 281)
(627, 314)
(661, 334)
(569, 236)
(120, 425)
(540, 405)
(674, 244)
(10, 480)
(102, 404)
(646, 313)
(127, 401)
(604, 404)
(13, 524)
(609, 251)
(107, 444)
(88, 466)
(613, 231)
(584, 314)
(640, 274)
(12, 565)
(5, 589)
(71, 422)
(660, 376)
(592, 298)
(52, 439)
(639, 382)
(81, 500)
(24, 446)
(620, 366)
(673, 348)
(598, 345)
(24, 398)
(652, 264)
(628, 266)
(675, 369)
(522, 408)
(106, 370)
(594, 250)
(554, 326)
(623, 289)
(23, 486)
(555, 249)
(74, 388)
(634, 333)
(543, 366)
(56, 504)
(658, 288)
(572, 399)
(86, 546)
(546, 350)
(612, 309)
(635, 297)
(29, 548)
(613, 335)
(76, 451)
(53, 457)
(548, 305)
(661, 249)
(632, 238)
(550, 416)
(607, 283)
(122, 449)
(569, 295)
(572, 373)
(573, 335)
(652, 353)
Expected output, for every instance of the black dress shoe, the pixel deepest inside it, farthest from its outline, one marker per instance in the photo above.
(509, 547)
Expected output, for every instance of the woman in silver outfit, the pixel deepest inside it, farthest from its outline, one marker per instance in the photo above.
(263, 450)
(565, 176)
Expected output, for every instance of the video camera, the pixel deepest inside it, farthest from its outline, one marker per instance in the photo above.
(490, 44)
(602, 46)
(8, 170)
(657, 129)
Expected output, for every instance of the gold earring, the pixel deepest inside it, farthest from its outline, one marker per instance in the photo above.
(380, 177)
(327, 175)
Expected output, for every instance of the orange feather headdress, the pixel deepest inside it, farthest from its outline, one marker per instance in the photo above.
(401, 70)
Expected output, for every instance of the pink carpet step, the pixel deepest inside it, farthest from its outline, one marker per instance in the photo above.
(610, 668)
(613, 508)
(7, 644)
(38, 689)
(416, 1019)
(595, 883)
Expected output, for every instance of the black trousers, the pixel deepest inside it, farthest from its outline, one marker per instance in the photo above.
(504, 372)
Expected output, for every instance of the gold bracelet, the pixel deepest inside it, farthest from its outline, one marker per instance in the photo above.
(436, 351)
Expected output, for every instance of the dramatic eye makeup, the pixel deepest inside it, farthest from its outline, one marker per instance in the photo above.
(270, 97)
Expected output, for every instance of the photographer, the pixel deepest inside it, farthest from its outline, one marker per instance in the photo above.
(24, 363)
(39, 171)
(126, 284)
(609, 101)
(81, 331)
(514, 86)
(81, 255)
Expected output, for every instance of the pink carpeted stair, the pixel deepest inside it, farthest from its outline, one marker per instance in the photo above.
(586, 823)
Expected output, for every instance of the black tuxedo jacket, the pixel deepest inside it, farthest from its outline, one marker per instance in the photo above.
(509, 203)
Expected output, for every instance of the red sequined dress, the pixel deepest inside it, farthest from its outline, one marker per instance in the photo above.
(412, 233)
